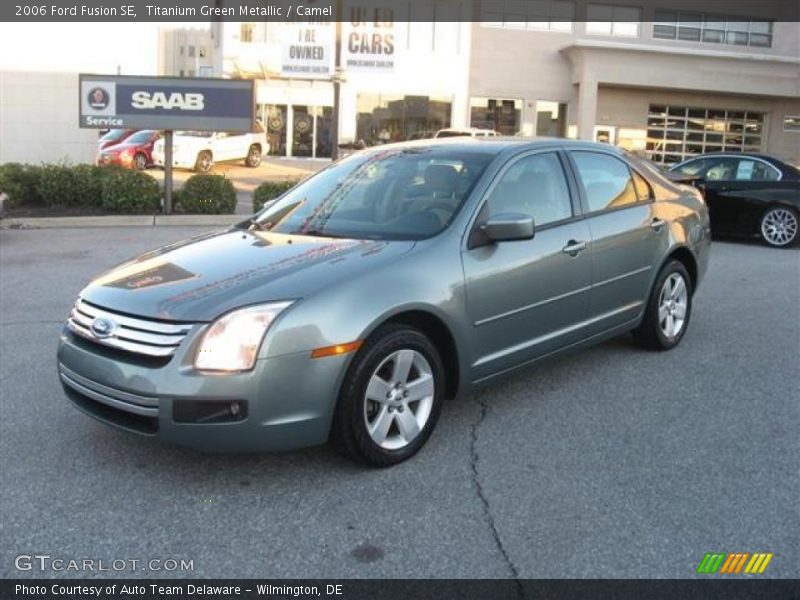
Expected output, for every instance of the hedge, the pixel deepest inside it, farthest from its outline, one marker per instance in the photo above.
(208, 194)
(109, 189)
(130, 192)
(20, 183)
(270, 190)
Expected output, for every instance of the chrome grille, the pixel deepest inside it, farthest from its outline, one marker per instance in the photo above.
(140, 336)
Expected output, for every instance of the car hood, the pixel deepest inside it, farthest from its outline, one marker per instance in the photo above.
(204, 277)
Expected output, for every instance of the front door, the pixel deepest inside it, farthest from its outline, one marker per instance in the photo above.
(526, 298)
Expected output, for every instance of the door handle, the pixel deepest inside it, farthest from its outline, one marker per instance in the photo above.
(573, 248)
(657, 224)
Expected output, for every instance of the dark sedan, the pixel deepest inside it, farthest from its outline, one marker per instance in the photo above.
(749, 195)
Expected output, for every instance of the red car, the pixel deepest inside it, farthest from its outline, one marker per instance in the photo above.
(134, 152)
(113, 137)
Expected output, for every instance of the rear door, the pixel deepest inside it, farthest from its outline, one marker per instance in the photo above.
(526, 298)
(629, 236)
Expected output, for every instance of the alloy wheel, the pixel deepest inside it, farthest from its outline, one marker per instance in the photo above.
(140, 162)
(673, 303)
(779, 227)
(399, 399)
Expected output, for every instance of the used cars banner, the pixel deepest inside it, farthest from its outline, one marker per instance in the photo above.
(112, 101)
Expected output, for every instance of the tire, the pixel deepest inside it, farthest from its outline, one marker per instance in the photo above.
(363, 407)
(204, 162)
(661, 328)
(253, 158)
(140, 162)
(780, 227)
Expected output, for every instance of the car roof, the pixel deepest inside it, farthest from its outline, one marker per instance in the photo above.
(497, 144)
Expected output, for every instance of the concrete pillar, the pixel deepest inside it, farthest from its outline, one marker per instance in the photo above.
(587, 107)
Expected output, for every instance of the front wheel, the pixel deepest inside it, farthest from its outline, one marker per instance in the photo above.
(390, 399)
(140, 162)
(779, 227)
(253, 156)
(669, 307)
(204, 162)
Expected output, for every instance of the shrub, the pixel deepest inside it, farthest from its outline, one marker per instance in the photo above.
(130, 192)
(21, 183)
(207, 194)
(269, 190)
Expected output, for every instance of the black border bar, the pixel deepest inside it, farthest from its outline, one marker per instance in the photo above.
(411, 589)
(198, 11)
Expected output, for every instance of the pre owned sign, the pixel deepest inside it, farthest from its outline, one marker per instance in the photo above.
(166, 103)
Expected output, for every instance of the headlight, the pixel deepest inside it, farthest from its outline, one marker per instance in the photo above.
(232, 341)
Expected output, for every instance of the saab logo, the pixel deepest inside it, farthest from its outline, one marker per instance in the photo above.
(177, 100)
(98, 98)
(732, 564)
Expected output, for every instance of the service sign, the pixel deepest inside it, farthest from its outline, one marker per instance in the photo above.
(309, 49)
(118, 101)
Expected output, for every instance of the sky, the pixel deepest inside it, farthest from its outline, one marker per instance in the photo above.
(82, 47)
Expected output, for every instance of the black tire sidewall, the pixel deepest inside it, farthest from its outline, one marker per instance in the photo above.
(349, 423)
(670, 268)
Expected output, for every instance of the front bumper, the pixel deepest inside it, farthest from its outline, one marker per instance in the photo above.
(289, 399)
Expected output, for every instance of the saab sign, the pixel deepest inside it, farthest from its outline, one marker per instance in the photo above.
(169, 103)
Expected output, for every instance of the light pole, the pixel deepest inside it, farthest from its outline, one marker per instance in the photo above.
(337, 81)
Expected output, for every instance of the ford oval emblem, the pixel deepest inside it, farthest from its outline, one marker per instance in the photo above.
(103, 327)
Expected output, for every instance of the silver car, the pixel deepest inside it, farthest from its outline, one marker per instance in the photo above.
(351, 307)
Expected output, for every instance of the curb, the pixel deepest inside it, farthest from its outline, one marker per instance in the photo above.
(122, 221)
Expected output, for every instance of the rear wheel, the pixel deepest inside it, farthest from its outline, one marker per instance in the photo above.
(669, 307)
(140, 162)
(253, 156)
(391, 397)
(779, 227)
(204, 162)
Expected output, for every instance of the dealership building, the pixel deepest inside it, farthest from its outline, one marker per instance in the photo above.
(669, 83)
(664, 81)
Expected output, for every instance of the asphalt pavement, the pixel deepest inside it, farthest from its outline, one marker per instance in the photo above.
(613, 462)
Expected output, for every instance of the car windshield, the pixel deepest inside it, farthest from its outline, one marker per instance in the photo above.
(140, 137)
(401, 193)
(112, 135)
(203, 134)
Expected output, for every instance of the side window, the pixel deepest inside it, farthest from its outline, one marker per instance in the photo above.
(534, 185)
(693, 167)
(755, 170)
(606, 180)
(721, 169)
(643, 189)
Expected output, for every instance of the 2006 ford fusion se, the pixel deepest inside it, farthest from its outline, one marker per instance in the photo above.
(352, 306)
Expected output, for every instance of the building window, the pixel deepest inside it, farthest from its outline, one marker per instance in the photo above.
(246, 32)
(551, 119)
(617, 21)
(676, 133)
(792, 123)
(712, 29)
(538, 15)
(501, 115)
(381, 119)
(202, 52)
(191, 51)
(181, 51)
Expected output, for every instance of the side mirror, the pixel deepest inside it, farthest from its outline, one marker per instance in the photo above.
(508, 227)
